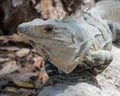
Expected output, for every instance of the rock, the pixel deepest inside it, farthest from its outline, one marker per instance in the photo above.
(110, 78)
(9, 67)
(75, 89)
(109, 82)
(22, 52)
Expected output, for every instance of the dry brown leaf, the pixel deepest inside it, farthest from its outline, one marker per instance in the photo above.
(13, 37)
(47, 10)
(22, 52)
(23, 76)
(43, 77)
(9, 48)
(11, 89)
(4, 59)
(38, 62)
(9, 68)
(28, 68)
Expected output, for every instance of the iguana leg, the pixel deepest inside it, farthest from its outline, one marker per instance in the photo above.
(99, 61)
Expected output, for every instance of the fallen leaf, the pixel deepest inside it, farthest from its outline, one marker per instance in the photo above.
(11, 55)
(4, 60)
(8, 69)
(22, 76)
(22, 84)
(27, 68)
(9, 48)
(43, 77)
(38, 62)
(10, 89)
(13, 37)
(22, 52)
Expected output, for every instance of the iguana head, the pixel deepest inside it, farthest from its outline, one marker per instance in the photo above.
(43, 30)
(52, 38)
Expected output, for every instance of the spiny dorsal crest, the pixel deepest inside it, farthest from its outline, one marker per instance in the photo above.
(74, 17)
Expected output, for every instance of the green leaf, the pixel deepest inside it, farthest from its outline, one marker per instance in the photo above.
(22, 84)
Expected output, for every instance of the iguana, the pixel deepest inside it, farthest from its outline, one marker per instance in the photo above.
(85, 39)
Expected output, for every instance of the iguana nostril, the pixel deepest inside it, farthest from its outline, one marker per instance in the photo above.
(48, 28)
(21, 28)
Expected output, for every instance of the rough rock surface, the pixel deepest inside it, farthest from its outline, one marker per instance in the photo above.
(110, 78)
(75, 89)
(108, 83)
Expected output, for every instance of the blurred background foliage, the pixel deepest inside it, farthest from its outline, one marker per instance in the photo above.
(14, 12)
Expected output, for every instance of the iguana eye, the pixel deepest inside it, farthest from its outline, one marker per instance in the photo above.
(48, 28)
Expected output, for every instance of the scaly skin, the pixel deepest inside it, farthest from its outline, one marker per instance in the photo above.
(76, 40)
(107, 9)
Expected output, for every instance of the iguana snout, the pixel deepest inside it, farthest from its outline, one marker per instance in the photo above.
(40, 29)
